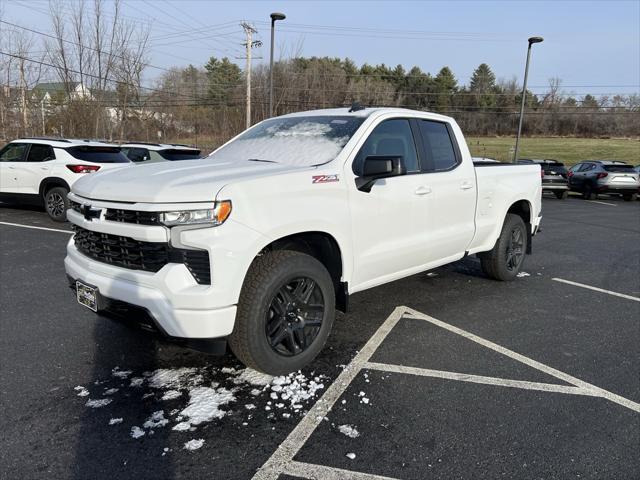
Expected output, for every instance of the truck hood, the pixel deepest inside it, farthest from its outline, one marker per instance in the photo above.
(173, 182)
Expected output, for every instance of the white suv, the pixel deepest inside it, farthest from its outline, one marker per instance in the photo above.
(44, 169)
(140, 152)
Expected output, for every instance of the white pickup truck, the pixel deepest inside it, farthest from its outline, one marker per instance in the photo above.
(262, 240)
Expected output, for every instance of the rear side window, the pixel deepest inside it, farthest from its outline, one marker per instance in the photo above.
(136, 154)
(390, 138)
(554, 167)
(619, 168)
(179, 154)
(438, 146)
(98, 154)
(40, 153)
(14, 152)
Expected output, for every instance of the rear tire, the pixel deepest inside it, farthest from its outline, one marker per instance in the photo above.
(629, 197)
(588, 193)
(285, 312)
(505, 260)
(56, 203)
(562, 195)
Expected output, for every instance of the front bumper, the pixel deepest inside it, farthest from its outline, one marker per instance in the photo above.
(620, 189)
(152, 292)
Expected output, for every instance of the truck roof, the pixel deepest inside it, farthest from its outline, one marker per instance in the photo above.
(365, 112)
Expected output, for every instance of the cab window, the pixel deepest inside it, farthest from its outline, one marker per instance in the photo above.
(390, 138)
(440, 154)
(14, 152)
(40, 153)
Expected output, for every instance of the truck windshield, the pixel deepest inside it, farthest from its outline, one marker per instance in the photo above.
(303, 141)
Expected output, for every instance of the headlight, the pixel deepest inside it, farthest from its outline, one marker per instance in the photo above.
(214, 216)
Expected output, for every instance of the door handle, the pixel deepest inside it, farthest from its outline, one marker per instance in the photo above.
(422, 190)
(466, 186)
(12, 167)
(44, 168)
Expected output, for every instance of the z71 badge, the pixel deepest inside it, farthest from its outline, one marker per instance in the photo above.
(324, 178)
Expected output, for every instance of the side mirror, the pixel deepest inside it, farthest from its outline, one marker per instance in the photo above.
(375, 167)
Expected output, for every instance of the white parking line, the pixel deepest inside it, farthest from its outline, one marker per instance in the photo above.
(465, 377)
(37, 228)
(596, 289)
(311, 470)
(282, 462)
(602, 203)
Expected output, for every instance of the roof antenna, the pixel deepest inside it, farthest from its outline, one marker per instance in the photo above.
(355, 106)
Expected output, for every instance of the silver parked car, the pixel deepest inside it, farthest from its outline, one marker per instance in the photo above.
(612, 177)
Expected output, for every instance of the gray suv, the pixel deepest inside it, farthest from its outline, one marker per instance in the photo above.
(592, 177)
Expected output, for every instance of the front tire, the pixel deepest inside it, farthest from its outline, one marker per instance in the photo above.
(505, 260)
(56, 203)
(285, 312)
(628, 197)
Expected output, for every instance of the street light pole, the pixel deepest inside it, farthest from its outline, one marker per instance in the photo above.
(274, 17)
(532, 40)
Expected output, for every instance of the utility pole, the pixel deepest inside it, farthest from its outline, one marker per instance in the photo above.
(249, 31)
(42, 111)
(23, 89)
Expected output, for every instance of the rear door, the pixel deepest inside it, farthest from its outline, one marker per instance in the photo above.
(11, 156)
(36, 168)
(449, 208)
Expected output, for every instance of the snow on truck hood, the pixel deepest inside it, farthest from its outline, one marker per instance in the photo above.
(172, 182)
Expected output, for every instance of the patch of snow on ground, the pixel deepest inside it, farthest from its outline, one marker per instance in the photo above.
(116, 372)
(102, 402)
(182, 426)
(193, 444)
(115, 421)
(253, 377)
(156, 420)
(523, 274)
(136, 382)
(205, 402)
(171, 394)
(82, 392)
(111, 391)
(349, 430)
(350, 456)
(167, 378)
(137, 432)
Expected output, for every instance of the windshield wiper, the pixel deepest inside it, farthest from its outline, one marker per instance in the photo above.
(260, 160)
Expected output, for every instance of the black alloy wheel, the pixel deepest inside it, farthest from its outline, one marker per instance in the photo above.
(515, 249)
(294, 316)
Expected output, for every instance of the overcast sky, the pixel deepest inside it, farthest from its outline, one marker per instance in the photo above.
(593, 46)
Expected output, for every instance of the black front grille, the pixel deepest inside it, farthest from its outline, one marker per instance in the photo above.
(136, 255)
(132, 216)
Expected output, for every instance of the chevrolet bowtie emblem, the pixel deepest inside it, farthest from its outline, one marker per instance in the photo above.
(90, 213)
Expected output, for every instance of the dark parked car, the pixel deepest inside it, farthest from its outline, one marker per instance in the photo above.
(612, 177)
(554, 176)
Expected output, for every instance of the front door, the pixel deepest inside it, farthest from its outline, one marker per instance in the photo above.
(386, 228)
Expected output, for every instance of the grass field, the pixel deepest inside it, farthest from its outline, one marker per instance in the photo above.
(567, 150)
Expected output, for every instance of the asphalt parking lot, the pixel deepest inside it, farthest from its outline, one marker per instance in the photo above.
(442, 375)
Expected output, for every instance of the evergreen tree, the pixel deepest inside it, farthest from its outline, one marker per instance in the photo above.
(483, 85)
(446, 85)
(223, 76)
